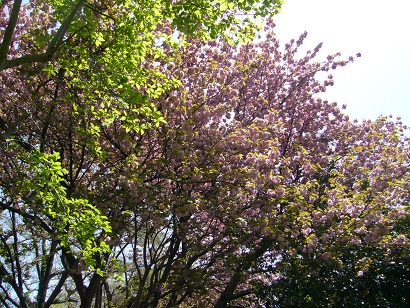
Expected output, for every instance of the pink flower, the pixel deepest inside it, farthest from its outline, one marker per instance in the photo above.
(279, 193)
(306, 230)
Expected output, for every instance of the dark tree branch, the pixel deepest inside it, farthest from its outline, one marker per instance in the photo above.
(45, 274)
(56, 290)
(45, 227)
(10, 278)
(228, 294)
(17, 259)
(52, 47)
(8, 34)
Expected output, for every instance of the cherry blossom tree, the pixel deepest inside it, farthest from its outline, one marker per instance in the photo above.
(220, 178)
(259, 189)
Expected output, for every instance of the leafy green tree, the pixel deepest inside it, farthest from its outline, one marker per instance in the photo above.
(134, 20)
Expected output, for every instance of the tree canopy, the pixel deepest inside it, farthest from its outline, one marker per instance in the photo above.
(148, 161)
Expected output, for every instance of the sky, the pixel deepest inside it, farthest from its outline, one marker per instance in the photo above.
(376, 84)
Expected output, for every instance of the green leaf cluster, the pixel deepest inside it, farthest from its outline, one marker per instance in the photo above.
(78, 225)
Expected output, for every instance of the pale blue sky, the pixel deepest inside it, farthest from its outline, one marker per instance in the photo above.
(378, 82)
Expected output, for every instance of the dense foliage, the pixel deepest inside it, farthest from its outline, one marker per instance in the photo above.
(142, 170)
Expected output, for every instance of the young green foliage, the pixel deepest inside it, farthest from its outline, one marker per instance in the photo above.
(78, 225)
